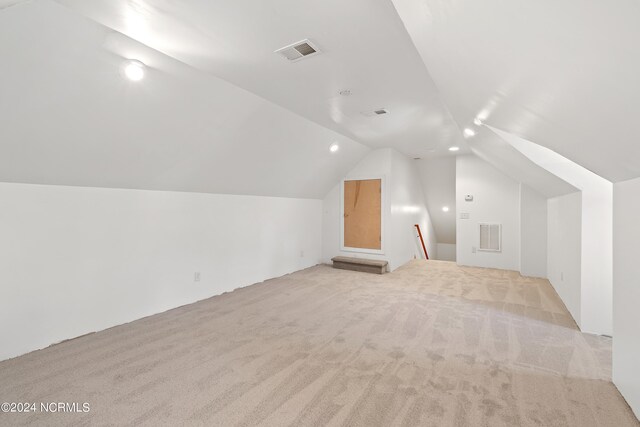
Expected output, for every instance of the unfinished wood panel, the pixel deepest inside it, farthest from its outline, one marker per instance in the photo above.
(363, 214)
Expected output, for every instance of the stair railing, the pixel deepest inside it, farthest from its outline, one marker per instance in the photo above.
(424, 248)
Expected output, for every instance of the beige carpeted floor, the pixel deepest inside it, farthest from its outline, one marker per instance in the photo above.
(431, 344)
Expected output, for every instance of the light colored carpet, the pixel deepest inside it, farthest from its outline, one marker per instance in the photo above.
(431, 344)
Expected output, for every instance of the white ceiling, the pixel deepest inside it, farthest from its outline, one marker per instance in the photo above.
(366, 49)
(579, 177)
(220, 112)
(69, 118)
(562, 74)
(8, 3)
(494, 149)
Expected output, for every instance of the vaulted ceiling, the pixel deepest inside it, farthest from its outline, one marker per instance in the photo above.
(70, 118)
(220, 112)
(494, 149)
(365, 46)
(563, 75)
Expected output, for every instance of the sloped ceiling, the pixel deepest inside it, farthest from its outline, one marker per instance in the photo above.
(579, 177)
(560, 74)
(536, 70)
(493, 149)
(365, 46)
(69, 118)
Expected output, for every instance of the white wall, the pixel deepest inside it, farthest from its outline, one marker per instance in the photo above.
(375, 165)
(404, 206)
(597, 231)
(78, 259)
(438, 181)
(496, 199)
(446, 252)
(533, 233)
(408, 207)
(626, 291)
(597, 259)
(564, 250)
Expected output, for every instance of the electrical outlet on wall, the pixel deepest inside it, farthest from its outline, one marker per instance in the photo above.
(562, 276)
(196, 276)
(473, 249)
(301, 254)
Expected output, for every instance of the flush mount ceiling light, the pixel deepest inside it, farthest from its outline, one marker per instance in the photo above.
(134, 70)
(454, 148)
(468, 133)
(334, 147)
(477, 121)
(445, 209)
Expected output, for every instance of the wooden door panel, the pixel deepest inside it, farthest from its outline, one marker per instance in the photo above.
(363, 214)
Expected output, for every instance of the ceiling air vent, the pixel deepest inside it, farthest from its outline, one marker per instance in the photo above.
(299, 50)
(378, 112)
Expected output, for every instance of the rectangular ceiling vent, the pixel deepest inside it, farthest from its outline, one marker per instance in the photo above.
(378, 112)
(297, 51)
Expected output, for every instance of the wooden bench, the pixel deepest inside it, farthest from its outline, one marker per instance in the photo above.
(360, 264)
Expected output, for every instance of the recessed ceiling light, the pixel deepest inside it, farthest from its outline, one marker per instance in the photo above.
(334, 147)
(454, 148)
(477, 121)
(134, 70)
(483, 115)
(445, 209)
(469, 132)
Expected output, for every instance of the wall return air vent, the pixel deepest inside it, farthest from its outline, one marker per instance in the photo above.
(490, 237)
(297, 51)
